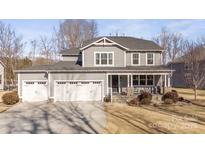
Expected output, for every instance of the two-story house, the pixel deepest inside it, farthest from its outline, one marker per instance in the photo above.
(100, 67)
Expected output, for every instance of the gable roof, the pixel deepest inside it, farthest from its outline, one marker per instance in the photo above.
(131, 43)
(71, 51)
(128, 43)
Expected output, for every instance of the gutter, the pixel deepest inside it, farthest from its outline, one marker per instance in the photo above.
(97, 71)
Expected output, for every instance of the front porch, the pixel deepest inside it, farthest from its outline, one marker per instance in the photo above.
(120, 83)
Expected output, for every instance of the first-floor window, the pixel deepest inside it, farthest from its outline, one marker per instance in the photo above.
(150, 80)
(142, 79)
(135, 80)
(0, 79)
(104, 58)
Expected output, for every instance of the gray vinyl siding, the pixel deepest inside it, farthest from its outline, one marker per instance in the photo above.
(2, 77)
(77, 76)
(30, 76)
(89, 55)
(66, 58)
(157, 58)
(71, 58)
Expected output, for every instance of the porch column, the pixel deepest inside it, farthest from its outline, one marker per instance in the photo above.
(168, 81)
(110, 82)
(165, 80)
(128, 80)
(119, 90)
(131, 80)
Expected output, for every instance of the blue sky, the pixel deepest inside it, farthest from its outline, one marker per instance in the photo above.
(191, 29)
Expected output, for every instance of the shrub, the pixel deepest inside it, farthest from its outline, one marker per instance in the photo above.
(10, 98)
(107, 98)
(134, 102)
(144, 95)
(123, 93)
(171, 95)
(145, 101)
(168, 101)
(181, 99)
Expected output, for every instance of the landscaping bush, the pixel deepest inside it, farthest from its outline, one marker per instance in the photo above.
(168, 101)
(134, 102)
(181, 99)
(123, 93)
(144, 95)
(10, 98)
(107, 98)
(145, 101)
(171, 95)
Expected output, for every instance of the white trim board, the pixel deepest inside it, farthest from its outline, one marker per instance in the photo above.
(103, 38)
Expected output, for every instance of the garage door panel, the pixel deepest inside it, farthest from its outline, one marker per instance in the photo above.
(34, 91)
(78, 91)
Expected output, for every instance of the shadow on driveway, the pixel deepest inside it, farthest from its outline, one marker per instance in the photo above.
(54, 118)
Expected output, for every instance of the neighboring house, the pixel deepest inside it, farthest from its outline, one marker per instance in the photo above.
(182, 69)
(2, 70)
(100, 67)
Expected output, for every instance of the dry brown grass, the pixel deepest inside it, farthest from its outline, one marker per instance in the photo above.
(188, 93)
(122, 118)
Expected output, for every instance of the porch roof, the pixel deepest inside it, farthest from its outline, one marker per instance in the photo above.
(67, 66)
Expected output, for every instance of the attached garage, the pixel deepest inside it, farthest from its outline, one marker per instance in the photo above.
(34, 91)
(78, 90)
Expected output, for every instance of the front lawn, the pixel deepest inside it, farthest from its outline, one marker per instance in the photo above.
(188, 93)
(122, 118)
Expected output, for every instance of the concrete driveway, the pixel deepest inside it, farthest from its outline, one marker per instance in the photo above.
(60, 117)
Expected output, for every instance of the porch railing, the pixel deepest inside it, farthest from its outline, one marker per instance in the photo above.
(137, 89)
(151, 89)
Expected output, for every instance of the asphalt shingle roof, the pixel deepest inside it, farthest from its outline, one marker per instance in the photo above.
(131, 43)
(72, 66)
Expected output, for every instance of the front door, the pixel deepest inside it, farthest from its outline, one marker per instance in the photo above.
(115, 83)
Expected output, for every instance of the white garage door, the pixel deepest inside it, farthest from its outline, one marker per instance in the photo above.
(33, 91)
(78, 91)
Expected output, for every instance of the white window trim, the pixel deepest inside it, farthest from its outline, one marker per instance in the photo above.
(153, 58)
(100, 52)
(132, 59)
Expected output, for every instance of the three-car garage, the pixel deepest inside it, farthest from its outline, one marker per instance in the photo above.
(64, 90)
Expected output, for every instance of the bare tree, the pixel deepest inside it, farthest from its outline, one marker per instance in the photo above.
(72, 32)
(46, 48)
(176, 46)
(172, 43)
(164, 41)
(11, 48)
(33, 52)
(194, 67)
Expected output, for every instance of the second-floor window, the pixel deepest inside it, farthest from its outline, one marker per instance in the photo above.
(104, 58)
(150, 58)
(135, 58)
